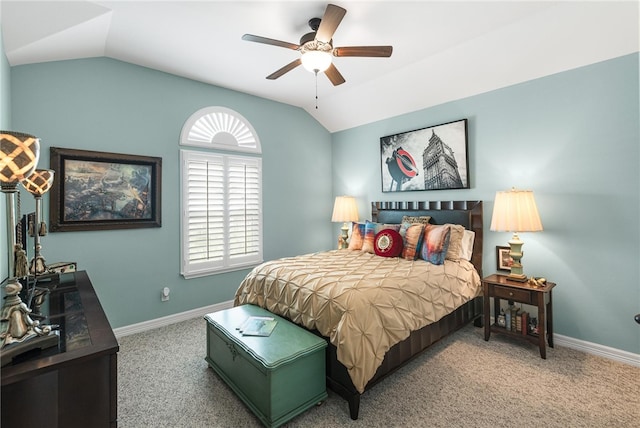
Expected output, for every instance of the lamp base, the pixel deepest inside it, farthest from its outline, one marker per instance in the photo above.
(344, 237)
(517, 277)
(515, 252)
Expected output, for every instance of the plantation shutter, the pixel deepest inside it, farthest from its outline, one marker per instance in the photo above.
(221, 213)
(244, 208)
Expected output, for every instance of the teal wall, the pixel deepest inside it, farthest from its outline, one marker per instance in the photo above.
(111, 106)
(573, 138)
(5, 87)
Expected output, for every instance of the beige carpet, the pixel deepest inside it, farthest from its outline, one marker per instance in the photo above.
(463, 381)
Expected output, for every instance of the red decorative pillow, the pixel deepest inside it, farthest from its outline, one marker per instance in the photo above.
(388, 243)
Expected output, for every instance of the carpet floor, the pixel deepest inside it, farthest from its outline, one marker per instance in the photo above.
(462, 381)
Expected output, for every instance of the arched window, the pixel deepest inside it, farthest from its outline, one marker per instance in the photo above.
(220, 128)
(221, 214)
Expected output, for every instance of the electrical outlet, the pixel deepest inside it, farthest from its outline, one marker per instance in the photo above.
(165, 294)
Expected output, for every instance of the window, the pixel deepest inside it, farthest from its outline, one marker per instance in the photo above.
(221, 195)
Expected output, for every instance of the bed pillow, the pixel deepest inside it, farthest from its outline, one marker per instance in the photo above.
(371, 230)
(455, 241)
(412, 239)
(357, 236)
(436, 243)
(388, 243)
(466, 250)
(424, 219)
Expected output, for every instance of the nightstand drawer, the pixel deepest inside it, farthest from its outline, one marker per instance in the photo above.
(509, 293)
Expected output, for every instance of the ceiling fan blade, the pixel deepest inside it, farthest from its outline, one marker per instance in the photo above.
(287, 68)
(330, 20)
(267, 41)
(370, 51)
(334, 75)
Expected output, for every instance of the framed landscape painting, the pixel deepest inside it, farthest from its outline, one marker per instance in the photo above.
(433, 158)
(98, 191)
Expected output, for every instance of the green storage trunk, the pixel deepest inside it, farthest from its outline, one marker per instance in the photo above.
(277, 376)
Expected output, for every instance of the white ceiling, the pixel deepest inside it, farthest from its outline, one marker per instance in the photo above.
(443, 50)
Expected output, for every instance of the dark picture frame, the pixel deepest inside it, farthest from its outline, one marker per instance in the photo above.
(432, 158)
(102, 191)
(503, 259)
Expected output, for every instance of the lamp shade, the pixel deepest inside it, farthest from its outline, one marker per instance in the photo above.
(345, 209)
(19, 154)
(39, 182)
(515, 211)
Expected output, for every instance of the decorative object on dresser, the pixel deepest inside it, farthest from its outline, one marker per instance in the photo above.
(100, 191)
(521, 324)
(19, 333)
(345, 210)
(432, 158)
(344, 296)
(515, 211)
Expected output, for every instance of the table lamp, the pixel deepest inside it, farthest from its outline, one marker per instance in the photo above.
(19, 155)
(345, 210)
(38, 183)
(515, 211)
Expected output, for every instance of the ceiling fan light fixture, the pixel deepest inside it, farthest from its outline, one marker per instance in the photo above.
(316, 47)
(316, 61)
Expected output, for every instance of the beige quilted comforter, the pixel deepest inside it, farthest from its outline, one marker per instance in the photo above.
(362, 302)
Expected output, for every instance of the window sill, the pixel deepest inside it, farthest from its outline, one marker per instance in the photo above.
(200, 274)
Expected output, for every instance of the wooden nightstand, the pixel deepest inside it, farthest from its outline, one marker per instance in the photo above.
(500, 287)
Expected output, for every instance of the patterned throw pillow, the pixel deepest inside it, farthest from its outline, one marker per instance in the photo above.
(435, 244)
(369, 237)
(370, 232)
(412, 240)
(357, 236)
(424, 219)
(388, 243)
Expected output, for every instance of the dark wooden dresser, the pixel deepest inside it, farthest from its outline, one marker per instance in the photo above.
(73, 384)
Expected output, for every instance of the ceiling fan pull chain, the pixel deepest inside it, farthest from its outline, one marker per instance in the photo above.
(316, 72)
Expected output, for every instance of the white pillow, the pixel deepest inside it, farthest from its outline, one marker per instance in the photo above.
(467, 244)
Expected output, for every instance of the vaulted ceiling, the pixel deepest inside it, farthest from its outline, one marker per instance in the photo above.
(442, 50)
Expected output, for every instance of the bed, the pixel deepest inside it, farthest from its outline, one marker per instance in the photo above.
(376, 313)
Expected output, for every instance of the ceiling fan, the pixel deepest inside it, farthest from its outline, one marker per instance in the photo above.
(316, 48)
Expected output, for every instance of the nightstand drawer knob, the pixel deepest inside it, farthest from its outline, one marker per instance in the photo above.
(511, 293)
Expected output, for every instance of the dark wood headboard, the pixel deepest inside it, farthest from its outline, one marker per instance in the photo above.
(466, 213)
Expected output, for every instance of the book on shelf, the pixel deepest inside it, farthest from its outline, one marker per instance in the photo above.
(258, 326)
(511, 315)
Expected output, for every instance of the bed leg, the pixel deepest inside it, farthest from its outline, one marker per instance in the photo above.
(478, 322)
(354, 406)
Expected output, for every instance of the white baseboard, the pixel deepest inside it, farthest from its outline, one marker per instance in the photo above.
(558, 339)
(599, 350)
(170, 319)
